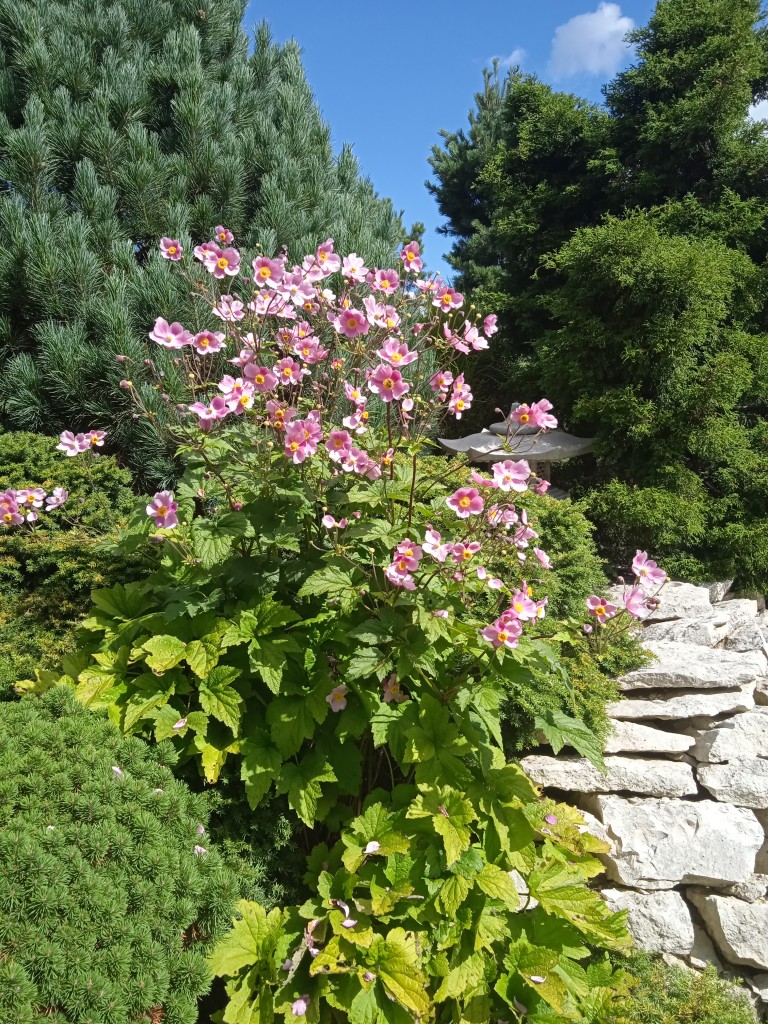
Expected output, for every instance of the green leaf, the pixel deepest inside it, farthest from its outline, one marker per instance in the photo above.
(212, 539)
(453, 893)
(290, 722)
(336, 584)
(397, 961)
(464, 978)
(164, 652)
(451, 813)
(561, 891)
(302, 783)
(167, 716)
(562, 730)
(202, 656)
(251, 942)
(367, 662)
(259, 768)
(220, 700)
(122, 601)
(375, 825)
(497, 884)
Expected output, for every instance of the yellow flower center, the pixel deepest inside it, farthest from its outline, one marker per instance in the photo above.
(466, 555)
(323, 256)
(306, 435)
(294, 446)
(388, 384)
(162, 510)
(410, 256)
(244, 399)
(204, 342)
(222, 263)
(385, 284)
(351, 323)
(338, 443)
(363, 416)
(518, 606)
(259, 378)
(446, 300)
(287, 371)
(7, 517)
(223, 236)
(94, 440)
(396, 357)
(265, 273)
(503, 636)
(172, 250)
(464, 502)
(460, 404)
(600, 610)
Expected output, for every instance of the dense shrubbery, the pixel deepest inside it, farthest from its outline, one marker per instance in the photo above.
(47, 573)
(624, 247)
(676, 995)
(327, 618)
(108, 900)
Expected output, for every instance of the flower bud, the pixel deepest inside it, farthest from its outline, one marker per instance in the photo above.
(237, 506)
(121, 359)
(126, 385)
(147, 362)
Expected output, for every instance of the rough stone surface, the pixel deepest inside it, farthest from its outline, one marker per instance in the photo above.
(761, 692)
(747, 636)
(681, 601)
(684, 705)
(739, 609)
(703, 951)
(659, 922)
(759, 985)
(661, 843)
(705, 631)
(739, 929)
(692, 667)
(738, 737)
(633, 775)
(752, 890)
(631, 737)
(717, 590)
(743, 782)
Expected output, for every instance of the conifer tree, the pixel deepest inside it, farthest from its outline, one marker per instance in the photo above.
(122, 121)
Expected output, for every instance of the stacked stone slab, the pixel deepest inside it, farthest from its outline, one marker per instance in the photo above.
(683, 803)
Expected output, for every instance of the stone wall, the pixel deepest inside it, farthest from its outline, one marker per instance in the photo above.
(684, 801)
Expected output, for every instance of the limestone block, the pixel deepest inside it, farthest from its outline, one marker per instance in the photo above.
(623, 774)
(740, 609)
(679, 665)
(738, 737)
(747, 636)
(717, 590)
(761, 692)
(707, 704)
(657, 844)
(659, 922)
(752, 890)
(743, 782)
(632, 737)
(681, 601)
(705, 630)
(739, 929)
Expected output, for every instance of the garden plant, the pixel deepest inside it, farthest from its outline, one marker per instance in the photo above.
(328, 618)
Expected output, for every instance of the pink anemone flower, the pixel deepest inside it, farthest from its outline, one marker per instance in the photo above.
(162, 509)
(171, 249)
(387, 383)
(465, 502)
(600, 609)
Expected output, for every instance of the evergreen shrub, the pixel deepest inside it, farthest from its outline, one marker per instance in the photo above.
(109, 900)
(48, 570)
(322, 618)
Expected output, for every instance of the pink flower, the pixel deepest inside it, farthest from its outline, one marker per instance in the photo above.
(200, 851)
(203, 251)
(208, 414)
(541, 415)
(511, 476)
(434, 545)
(71, 444)
(399, 578)
(407, 549)
(301, 439)
(267, 272)
(328, 261)
(301, 1005)
(543, 557)
(503, 633)
(410, 255)
(446, 298)
(636, 603)
(9, 510)
(330, 523)
(337, 698)
(351, 323)
(386, 281)
(387, 383)
(288, 371)
(522, 415)
(30, 497)
(223, 235)
(354, 394)
(56, 498)
(392, 692)
(169, 335)
(489, 325)
(279, 415)
(162, 509)
(229, 309)
(473, 337)
(354, 268)
(338, 444)
(600, 609)
(358, 421)
(541, 486)
(465, 502)
(648, 573)
(395, 353)
(310, 350)
(239, 394)
(463, 552)
(170, 249)
(461, 397)
(441, 381)
(261, 377)
(521, 607)
(206, 342)
(93, 439)
(222, 263)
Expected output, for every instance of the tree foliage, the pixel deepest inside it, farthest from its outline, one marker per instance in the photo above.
(625, 247)
(106, 910)
(123, 120)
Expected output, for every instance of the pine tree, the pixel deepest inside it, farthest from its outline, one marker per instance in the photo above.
(122, 121)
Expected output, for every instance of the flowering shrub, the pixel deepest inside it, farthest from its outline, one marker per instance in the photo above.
(308, 618)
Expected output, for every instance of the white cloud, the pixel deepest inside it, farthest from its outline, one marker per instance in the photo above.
(591, 43)
(517, 56)
(758, 111)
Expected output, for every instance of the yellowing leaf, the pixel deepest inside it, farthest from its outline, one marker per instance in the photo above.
(453, 893)
(251, 941)
(397, 961)
(163, 652)
(497, 884)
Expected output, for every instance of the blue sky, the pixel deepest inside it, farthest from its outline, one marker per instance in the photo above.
(388, 76)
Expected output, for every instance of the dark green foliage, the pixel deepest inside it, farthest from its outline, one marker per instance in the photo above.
(123, 121)
(674, 995)
(626, 250)
(106, 911)
(47, 574)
